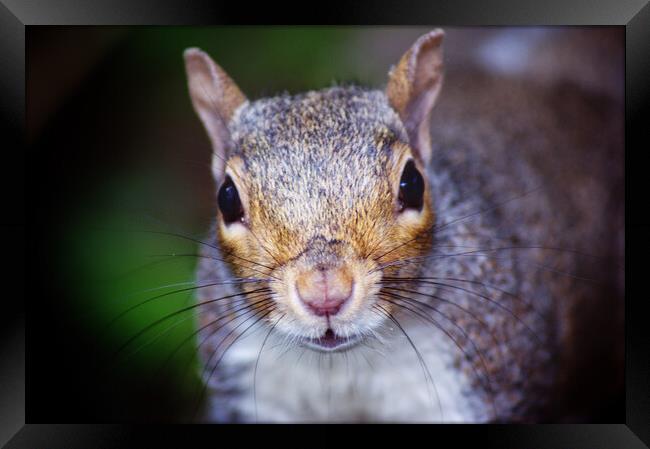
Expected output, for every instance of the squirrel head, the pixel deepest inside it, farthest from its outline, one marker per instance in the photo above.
(323, 193)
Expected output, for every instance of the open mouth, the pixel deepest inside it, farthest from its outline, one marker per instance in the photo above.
(330, 342)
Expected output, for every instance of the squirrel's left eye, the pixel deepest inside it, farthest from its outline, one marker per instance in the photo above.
(411, 187)
(229, 202)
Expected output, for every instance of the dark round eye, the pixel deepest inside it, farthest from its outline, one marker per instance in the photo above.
(411, 187)
(229, 202)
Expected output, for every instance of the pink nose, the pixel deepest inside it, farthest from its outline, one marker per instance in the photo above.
(324, 291)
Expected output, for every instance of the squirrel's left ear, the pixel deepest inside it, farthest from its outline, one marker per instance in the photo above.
(413, 86)
(215, 97)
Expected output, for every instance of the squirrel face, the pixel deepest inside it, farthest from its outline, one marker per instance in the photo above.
(321, 193)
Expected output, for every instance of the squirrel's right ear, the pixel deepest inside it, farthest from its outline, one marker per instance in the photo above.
(413, 87)
(215, 97)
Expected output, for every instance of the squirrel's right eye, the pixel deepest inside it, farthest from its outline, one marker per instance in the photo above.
(229, 202)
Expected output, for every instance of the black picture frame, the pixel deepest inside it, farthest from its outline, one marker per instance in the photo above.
(17, 15)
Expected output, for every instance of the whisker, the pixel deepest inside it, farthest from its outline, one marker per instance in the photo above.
(201, 376)
(264, 302)
(201, 242)
(257, 361)
(489, 209)
(428, 318)
(233, 281)
(445, 300)
(436, 228)
(490, 300)
(135, 270)
(532, 246)
(179, 322)
(205, 256)
(423, 364)
(207, 381)
(162, 295)
(264, 248)
(184, 309)
(427, 279)
(476, 253)
(458, 306)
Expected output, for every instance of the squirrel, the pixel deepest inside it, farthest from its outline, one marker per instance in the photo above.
(412, 253)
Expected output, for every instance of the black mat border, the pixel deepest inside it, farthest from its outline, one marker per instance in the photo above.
(15, 15)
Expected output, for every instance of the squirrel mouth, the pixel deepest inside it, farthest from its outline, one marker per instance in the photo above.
(330, 342)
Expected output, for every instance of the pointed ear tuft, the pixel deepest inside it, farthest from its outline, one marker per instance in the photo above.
(413, 87)
(215, 97)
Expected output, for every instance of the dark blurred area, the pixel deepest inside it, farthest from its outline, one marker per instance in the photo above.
(112, 128)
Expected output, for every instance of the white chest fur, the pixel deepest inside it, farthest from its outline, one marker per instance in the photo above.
(373, 383)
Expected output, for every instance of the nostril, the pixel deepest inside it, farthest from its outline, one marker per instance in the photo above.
(324, 292)
(321, 304)
(325, 309)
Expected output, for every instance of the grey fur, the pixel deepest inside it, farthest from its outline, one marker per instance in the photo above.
(552, 154)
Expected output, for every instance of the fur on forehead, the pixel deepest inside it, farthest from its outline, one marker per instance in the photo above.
(316, 123)
(306, 148)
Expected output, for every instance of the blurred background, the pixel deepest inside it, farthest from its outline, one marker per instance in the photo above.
(121, 152)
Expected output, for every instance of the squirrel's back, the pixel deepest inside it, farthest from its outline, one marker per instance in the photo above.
(557, 146)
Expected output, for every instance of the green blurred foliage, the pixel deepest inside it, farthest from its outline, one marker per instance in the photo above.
(129, 101)
(262, 61)
(117, 273)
